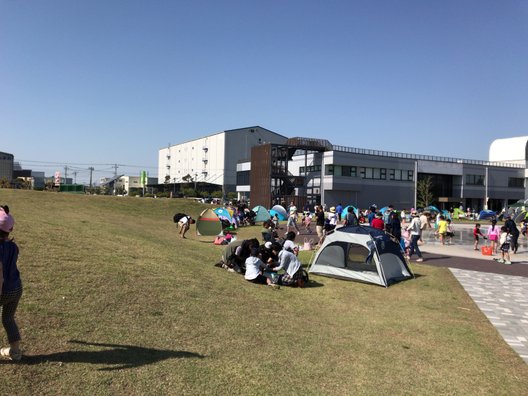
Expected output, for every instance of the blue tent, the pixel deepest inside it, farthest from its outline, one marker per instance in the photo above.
(487, 215)
(280, 211)
(223, 213)
(279, 215)
(262, 213)
(345, 210)
(446, 214)
(431, 208)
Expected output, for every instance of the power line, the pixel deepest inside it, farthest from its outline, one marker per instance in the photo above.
(84, 164)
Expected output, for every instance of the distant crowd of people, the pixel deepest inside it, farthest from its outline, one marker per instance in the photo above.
(405, 226)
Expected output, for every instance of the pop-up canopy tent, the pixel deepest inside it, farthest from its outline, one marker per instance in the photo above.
(432, 209)
(208, 223)
(262, 214)
(362, 254)
(280, 211)
(457, 213)
(345, 210)
(487, 215)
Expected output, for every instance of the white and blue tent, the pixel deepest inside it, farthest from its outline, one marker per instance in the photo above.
(362, 254)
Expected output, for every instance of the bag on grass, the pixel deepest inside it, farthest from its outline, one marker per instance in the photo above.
(219, 240)
(303, 278)
(308, 244)
(178, 216)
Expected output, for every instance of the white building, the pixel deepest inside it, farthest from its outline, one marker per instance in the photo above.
(129, 183)
(212, 159)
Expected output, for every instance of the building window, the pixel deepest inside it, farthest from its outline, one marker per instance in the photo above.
(329, 169)
(475, 180)
(516, 182)
(410, 175)
(243, 178)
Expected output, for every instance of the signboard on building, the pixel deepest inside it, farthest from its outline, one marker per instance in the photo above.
(57, 178)
(143, 178)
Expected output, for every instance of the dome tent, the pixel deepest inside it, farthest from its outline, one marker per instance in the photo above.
(362, 254)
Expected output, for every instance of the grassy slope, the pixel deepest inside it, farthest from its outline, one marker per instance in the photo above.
(110, 270)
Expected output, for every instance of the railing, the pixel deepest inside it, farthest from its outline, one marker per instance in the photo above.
(424, 157)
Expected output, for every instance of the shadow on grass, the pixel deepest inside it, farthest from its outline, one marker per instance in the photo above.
(118, 357)
(311, 283)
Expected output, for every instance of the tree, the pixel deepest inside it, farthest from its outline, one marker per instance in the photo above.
(187, 178)
(4, 183)
(424, 192)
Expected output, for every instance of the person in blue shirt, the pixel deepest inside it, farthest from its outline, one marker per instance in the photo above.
(10, 286)
(339, 211)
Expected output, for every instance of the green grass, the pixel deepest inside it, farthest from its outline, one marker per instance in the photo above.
(115, 303)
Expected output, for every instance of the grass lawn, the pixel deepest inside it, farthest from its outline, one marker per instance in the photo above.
(115, 303)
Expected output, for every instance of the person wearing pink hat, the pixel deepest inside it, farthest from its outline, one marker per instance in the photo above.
(10, 286)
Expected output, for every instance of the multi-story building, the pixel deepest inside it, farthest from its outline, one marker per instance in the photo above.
(130, 184)
(314, 171)
(270, 168)
(6, 166)
(212, 159)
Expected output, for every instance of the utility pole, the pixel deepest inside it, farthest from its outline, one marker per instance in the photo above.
(115, 170)
(75, 177)
(91, 169)
(65, 173)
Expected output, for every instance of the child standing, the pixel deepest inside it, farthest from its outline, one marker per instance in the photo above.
(505, 242)
(524, 227)
(476, 233)
(450, 232)
(442, 229)
(493, 235)
(10, 286)
(307, 220)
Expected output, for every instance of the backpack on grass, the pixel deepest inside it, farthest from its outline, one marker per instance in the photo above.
(303, 278)
(178, 216)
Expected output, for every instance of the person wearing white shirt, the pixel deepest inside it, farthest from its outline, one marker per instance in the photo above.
(254, 268)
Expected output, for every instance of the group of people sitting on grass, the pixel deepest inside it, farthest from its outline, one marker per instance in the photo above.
(272, 263)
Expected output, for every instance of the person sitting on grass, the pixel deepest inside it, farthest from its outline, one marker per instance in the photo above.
(289, 243)
(10, 286)
(288, 262)
(255, 268)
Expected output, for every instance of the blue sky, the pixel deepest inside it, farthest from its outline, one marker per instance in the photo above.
(102, 81)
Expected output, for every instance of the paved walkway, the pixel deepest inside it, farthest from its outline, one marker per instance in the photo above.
(499, 290)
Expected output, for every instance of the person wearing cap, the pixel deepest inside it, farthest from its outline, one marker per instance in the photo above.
(332, 219)
(10, 286)
(292, 219)
(415, 229)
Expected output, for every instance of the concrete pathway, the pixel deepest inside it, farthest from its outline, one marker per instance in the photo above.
(504, 300)
(500, 291)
